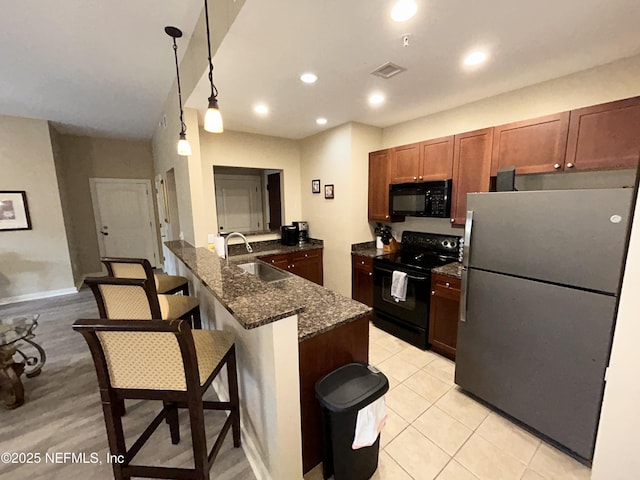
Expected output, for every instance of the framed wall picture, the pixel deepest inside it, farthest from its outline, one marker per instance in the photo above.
(328, 191)
(315, 186)
(14, 212)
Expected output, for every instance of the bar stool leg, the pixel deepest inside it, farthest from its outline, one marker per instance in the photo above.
(232, 375)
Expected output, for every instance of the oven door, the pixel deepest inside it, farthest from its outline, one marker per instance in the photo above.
(415, 309)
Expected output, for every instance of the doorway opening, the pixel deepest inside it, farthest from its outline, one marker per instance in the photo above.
(248, 200)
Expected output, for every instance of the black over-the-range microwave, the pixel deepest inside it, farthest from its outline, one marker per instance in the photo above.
(421, 199)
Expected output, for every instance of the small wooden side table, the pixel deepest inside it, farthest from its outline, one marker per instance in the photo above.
(16, 334)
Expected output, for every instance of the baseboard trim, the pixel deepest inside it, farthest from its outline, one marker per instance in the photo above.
(248, 444)
(80, 282)
(37, 295)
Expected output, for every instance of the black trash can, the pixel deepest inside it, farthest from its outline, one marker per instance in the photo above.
(342, 393)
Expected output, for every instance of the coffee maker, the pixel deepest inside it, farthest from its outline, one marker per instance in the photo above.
(303, 231)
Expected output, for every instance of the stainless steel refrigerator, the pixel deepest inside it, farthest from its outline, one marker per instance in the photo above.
(539, 290)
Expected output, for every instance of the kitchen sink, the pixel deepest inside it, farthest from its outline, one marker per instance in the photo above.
(264, 272)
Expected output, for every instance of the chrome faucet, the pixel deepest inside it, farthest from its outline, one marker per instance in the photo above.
(226, 244)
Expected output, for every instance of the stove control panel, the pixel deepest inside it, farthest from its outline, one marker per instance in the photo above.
(432, 242)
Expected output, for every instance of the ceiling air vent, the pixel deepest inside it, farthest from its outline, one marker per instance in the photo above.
(388, 70)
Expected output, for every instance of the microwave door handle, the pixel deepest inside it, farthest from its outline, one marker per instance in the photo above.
(466, 252)
(420, 279)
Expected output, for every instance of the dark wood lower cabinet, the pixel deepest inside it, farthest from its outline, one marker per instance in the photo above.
(362, 279)
(319, 356)
(306, 264)
(443, 316)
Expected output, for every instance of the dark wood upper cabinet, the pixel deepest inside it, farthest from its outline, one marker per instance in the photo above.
(436, 159)
(405, 163)
(379, 179)
(471, 169)
(604, 136)
(531, 146)
(424, 161)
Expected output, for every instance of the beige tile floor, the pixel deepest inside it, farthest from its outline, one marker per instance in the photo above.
(435, 431)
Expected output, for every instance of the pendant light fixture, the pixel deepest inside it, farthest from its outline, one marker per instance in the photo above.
(184, 148)
(213, 118)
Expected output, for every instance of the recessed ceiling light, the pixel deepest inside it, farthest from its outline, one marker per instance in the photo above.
(403, 10)
(475, 58)
(321, 121)
(309, 77)
(376, 99)
(261, 109)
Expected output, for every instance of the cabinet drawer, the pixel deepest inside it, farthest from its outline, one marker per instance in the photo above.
(298, 256)
(361, 262)
(445, 282)
(275, 259)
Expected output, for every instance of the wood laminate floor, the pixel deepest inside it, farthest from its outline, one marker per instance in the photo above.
(62, 412)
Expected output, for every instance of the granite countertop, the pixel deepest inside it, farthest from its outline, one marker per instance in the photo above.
(255, 303)
(367, 249)
(273, 247)
(450, 270)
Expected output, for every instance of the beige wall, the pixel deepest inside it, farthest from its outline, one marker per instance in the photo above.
(606, 83)
(340, 157)
(63, 188)
(82, 158)
(33, 263)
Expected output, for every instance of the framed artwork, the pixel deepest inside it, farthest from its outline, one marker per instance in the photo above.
(14, 212)
(315, 186)
(328, 191)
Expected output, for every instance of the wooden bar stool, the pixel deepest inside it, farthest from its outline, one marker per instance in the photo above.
(141, 268)
(162, 360)
(136, 298)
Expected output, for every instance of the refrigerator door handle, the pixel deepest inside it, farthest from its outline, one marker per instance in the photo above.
(466, 251)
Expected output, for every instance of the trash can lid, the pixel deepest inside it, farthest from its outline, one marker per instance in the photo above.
(351, 387)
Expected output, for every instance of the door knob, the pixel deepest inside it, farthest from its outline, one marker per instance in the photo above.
(569, 165)
(557, 166)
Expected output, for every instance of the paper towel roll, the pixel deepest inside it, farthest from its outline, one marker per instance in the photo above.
(218, 242)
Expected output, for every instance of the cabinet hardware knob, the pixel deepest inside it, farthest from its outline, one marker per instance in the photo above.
(370, 273)
(415, 178)
(292, 266)
(453, 220)
(446, 284)
(569, 165)
(362, 262)
(387, 216)
(557, 166)
(433, 292)
(420, 177)
(305, 255)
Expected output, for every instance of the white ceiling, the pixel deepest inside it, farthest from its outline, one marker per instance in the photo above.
(105, 67)
(272, 42)
(93, 67)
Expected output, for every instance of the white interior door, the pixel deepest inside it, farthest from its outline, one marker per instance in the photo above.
(239, 203)
(123, 211)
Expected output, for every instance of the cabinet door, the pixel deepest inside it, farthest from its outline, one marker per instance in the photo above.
(443, 315)
(436, 159)
(308, 265)
(362, 279)
(471, 169)
(379, 165)
(604, 136)
(281, 261)
(532, 146)
(405, 163)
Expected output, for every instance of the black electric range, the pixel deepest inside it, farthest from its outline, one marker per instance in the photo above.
(420, 252)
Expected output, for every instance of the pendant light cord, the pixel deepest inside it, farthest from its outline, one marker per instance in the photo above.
(214, 90)
(183, 126)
